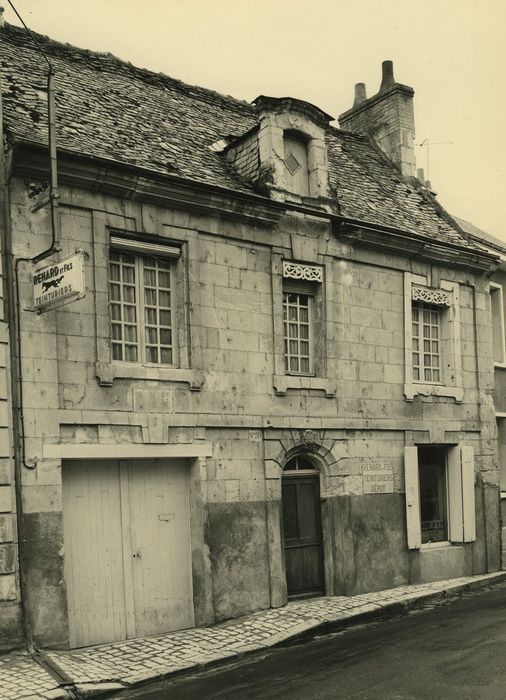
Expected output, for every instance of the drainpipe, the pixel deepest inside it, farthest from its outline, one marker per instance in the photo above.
(9, 315)
(14, 310)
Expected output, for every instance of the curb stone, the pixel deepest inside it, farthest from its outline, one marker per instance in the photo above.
(108, 669)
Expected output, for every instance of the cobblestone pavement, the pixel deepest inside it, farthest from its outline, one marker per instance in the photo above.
(22, 677)
(121, 664)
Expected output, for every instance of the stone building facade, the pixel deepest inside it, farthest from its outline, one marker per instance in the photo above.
(241, 408)
(497, 292)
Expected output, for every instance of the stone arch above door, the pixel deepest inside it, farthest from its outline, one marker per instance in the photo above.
(311, 443)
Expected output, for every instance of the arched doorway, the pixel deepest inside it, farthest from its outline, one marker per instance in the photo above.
(302, 530)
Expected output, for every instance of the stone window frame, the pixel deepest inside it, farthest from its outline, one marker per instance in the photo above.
(305, 272)
(272, 147)
(106, 369)
(447, 295)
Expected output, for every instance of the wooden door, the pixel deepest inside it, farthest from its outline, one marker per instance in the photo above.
(302, 536)
(93, 552)
(160, 547)
(127, 549)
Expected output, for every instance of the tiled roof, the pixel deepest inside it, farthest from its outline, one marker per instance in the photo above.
(110, 109)
(486, 239)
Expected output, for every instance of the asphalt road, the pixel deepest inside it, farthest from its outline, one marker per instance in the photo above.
(454, 650)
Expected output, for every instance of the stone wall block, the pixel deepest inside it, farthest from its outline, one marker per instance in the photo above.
(8, 587)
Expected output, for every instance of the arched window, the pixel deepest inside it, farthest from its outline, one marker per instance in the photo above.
(299, 463)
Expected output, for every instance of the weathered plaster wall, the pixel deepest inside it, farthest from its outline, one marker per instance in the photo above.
(226, 392)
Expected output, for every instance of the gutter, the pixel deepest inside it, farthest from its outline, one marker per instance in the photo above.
(135, 182)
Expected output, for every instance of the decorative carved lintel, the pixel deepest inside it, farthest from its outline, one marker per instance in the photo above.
(298, 271)
(440, 297)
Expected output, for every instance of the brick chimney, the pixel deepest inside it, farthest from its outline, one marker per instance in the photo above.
(387, 117)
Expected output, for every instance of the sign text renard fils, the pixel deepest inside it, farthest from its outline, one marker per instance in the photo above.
(59, 283)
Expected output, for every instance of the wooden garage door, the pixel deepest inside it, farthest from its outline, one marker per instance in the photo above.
(127, 549)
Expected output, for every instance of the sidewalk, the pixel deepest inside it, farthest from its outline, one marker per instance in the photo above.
(117, 666)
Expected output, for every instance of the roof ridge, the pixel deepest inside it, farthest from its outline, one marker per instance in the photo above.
(144, 74)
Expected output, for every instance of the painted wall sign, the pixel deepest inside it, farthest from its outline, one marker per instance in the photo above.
(58, 283)
(377, 477)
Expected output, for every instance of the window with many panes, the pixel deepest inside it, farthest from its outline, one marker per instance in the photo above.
(426, 343)
(141, 309)
(298, 332)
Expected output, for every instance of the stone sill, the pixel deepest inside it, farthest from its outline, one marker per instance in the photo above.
(283, 382)
(108, 372)
(415, 389)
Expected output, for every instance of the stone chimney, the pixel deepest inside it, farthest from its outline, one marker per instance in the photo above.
(387, 117)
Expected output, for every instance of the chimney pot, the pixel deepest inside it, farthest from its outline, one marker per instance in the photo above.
(387, 80)
(360, 94)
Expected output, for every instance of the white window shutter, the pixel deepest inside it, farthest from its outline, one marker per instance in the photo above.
(468, 507)
(496, 303)
(455, 501)
(413, 523)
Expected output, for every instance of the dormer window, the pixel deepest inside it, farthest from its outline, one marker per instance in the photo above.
(296, 167)
(290, 161)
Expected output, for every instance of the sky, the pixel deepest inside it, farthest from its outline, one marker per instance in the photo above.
(452, 52)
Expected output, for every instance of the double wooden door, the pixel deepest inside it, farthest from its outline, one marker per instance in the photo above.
(127, 549)
(302, 535)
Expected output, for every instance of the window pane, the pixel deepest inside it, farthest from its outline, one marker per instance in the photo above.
(165, 318)
(149, 277)
(152, 354)
(130, 333)
(165, 337)
(129, 295)
(164, 299)
(129, 314)
(150, 316)
(115, 292)
(166, 358)
(164, 279)
(131, 353)
(152, 336)
(150, 297)
(129, 275)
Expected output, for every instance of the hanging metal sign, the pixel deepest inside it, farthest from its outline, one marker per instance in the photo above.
(59, 283)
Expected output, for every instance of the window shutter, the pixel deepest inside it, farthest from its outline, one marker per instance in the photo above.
(462, 525)
(501, 438)
(467, 459)
(455, 500)
(497, 323)
(413, 524)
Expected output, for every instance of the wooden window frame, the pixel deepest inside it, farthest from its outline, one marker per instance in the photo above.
(422, 367)
(139, 266)
(498, 289)
(287, 322)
